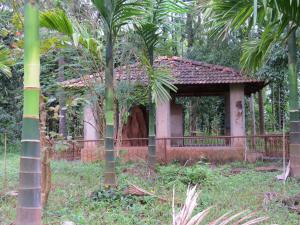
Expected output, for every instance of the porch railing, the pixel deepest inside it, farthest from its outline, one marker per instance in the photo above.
(272, 145)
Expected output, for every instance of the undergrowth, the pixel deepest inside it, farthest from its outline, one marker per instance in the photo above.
(77, 194)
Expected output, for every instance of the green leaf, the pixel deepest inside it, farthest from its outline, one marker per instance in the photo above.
(57, 20)
(5, 61)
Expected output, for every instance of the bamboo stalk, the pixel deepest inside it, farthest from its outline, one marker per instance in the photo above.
(152, 108)
(294, 105)
(110, 161)
(29, 209)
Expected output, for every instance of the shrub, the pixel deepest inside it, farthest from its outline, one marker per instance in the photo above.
(197, 174)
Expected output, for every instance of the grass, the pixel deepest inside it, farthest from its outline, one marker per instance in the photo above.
(74, 183)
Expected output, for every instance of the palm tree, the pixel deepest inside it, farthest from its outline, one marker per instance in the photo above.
(114, 14)
(278, 20)
(29, 198)
(159, 82)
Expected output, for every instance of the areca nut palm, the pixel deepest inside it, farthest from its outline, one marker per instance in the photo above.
(29, 198)
(279, 20)
(160, 82)
(114, 14)
(159, 87)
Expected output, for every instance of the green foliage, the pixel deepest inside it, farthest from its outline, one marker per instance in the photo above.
(57, 20)
(5, 61)
(161, 82)
(197, 174)
(156, 13)
(273, 17)
(74, 182)
(225, 53)
(116, 13)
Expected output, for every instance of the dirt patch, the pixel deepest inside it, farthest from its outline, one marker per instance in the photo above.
(237, 171)
(267, 169)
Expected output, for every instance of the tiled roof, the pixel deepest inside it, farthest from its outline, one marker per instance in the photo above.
(185, 72)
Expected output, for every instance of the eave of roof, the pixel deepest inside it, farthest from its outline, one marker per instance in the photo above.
(185, 72)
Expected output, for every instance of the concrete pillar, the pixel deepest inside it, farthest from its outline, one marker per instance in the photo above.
(163, 128)
(237, 114)
(163, 113)
(90, 124)
(176, 124)
(90, 152)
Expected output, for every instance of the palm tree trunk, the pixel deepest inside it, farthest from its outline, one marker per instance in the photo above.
(151, 140)
(45, 155)
(253, 122)
(29, 199)
(110, 171)
(294, 106)
(63, 112)
(261, 112)
(190, 32)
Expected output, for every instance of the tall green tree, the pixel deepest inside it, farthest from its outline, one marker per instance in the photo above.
(29, 199)
(148, 29)
(114, 14)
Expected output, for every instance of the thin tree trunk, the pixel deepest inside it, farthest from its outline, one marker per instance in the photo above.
(273, 109)
(45, 154)
(190, 32)
(253, 122)
(261, 113)
(29, 210)
(279, 109)
(174, 38)
(151, 140)
(193, 117)
(62, 102)
(294, 106)
(252, 110)
(110, 167)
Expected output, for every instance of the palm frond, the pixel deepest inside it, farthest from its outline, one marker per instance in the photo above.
(57, 20)
(289, 9)
(5, 61)
(230, 15)
(116, 13)
(160, 81)
(162, 8)
(184, 216)
(155, 13)
(148, 33)
(254, 52)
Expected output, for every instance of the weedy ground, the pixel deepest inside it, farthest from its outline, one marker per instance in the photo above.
(77, 194)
